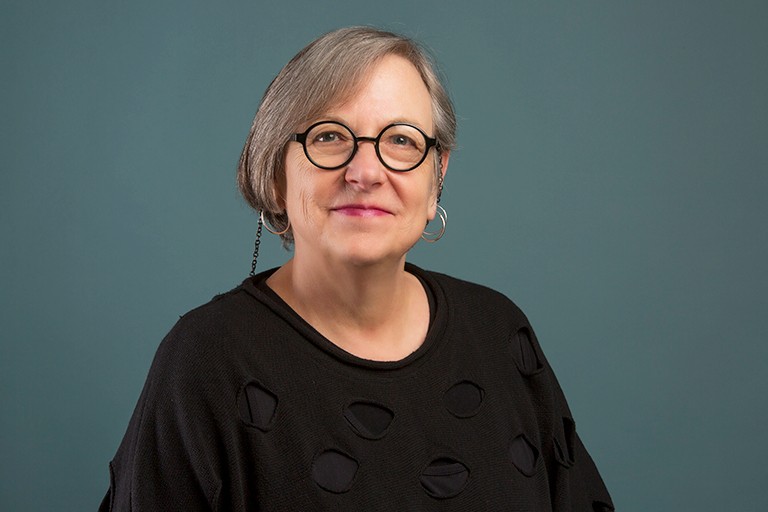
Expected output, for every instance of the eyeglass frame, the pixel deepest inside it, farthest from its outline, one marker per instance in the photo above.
(302, 139)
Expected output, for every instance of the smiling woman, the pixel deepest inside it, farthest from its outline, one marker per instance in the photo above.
(348, 379)
(362, 211)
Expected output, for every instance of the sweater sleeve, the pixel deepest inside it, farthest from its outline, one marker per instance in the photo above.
(575, 483)
(166, 460)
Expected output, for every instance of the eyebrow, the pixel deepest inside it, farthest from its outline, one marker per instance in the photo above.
(397, 120)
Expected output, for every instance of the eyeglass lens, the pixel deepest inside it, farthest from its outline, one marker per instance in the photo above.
(399, 147)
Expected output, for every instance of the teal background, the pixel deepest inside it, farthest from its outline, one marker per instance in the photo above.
(611, 179)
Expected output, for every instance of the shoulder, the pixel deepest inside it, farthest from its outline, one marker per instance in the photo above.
(211, 320)
(212, 333)
(476, 300)
(223, 312)
(460, 287)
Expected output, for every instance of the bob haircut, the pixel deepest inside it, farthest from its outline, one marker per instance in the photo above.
(324, 74)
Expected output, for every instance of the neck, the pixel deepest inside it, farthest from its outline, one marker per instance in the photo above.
(373, 311)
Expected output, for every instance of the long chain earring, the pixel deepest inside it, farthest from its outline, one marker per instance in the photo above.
(440, 182)
(256, 245)
(263, 224)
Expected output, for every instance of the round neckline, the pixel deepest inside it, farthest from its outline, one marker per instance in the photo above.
(256, 286)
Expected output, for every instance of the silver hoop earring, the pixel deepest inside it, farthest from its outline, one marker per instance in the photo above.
(272, 230)
(434, 236)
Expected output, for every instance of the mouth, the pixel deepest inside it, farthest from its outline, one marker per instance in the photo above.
(361, 210)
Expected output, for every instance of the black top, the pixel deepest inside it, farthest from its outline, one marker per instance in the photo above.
(249, 408)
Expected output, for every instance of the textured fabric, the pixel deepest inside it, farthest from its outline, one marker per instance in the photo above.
(248, 408)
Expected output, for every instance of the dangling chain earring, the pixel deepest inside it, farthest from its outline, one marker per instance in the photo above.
(257, 243)
(440, 183)
(434, 236)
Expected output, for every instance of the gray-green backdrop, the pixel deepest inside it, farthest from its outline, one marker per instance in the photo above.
(611, 179)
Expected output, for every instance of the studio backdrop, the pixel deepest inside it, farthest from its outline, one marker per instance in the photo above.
(610, 178)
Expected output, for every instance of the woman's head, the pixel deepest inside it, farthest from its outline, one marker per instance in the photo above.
(325, 74)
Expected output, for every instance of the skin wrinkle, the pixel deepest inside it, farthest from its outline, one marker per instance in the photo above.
(362, 167)
(346, 268)
(349, 93)
(326, 73)
(349, 281)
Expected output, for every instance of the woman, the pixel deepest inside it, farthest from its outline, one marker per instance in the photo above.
(348, 379)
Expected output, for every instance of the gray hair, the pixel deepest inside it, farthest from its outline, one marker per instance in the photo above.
(327, 72)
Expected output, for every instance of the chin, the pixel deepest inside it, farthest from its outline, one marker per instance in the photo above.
(366, 251)
(367, 257)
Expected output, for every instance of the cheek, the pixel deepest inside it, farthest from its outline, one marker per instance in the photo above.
(304, 188)
(306, 203)
(296, 173)
(431, 196)
(420, 193)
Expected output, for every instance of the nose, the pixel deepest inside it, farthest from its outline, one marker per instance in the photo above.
(365, 170)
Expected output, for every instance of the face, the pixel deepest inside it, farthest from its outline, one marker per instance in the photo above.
(364, 213)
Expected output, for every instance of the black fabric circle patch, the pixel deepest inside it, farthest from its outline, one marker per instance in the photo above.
(464, 399)
(368, 419)
(257, 405)
(444, 478)
(524, 352)
(564, 452)
(524, 455)
(600, 506)
(334, 471)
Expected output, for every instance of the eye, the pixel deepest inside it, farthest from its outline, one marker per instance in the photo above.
(399, 139)
(402, 139)
(328, 136)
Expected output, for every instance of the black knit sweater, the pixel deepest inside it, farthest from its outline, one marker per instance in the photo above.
(248, 408)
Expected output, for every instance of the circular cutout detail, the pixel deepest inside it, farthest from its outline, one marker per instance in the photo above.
(564, 452)
(464, 399)
(334, 471)
(444, 478)
(257, 405)
(368, 419)
(524, 455)
(524, 352)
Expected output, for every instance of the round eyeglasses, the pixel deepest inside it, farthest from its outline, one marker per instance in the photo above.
(331, 145)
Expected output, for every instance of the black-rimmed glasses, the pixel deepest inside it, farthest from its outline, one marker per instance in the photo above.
(331, 145)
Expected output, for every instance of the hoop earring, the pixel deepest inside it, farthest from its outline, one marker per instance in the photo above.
(272, 230)
(434, 236)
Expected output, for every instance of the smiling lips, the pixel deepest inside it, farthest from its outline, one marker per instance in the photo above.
(359, 210)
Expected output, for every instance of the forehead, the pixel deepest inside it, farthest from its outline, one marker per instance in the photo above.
(391, 91)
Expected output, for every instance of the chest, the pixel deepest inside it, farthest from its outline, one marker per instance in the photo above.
(432, 440)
